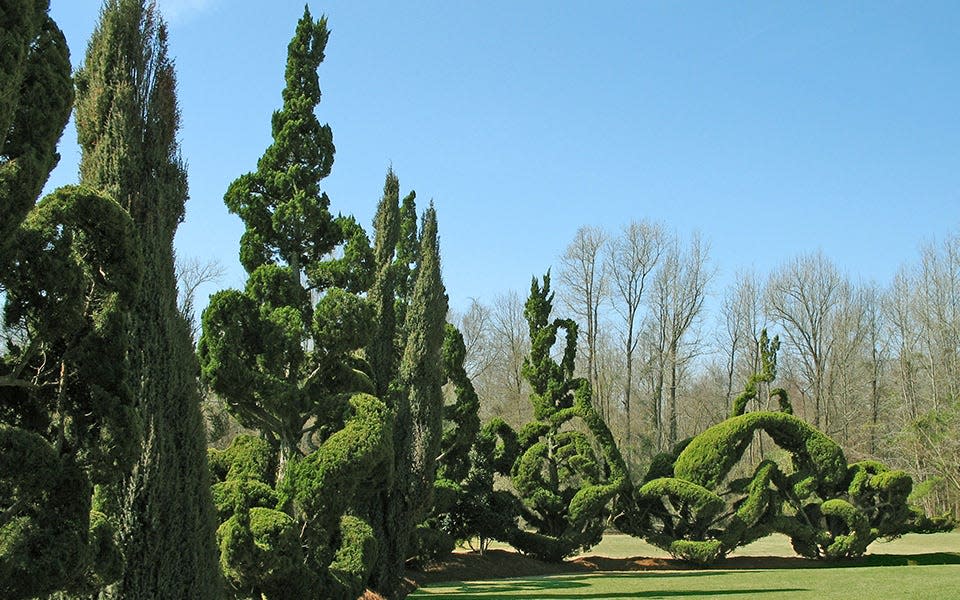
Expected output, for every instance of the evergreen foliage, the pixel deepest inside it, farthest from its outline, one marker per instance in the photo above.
(297, 539)
(412, 354)
(480, 510)
(70, 271)
(565, 486)
(296, 356)
(36, 93)
(417, 400)
(283, 352)
(382, 352)
(127, 122)
(767, 353)
(461, 419)
(453, 504)
(691, 506)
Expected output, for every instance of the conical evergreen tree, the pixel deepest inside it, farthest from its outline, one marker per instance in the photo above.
(381, 353)
(281, 203)
(286, 354)
(294, 363)
(418, 404)
(127, 122)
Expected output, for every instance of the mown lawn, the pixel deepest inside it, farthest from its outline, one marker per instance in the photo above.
(925, 567)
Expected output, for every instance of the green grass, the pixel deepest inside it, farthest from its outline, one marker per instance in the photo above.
(861, 583)
(926, 567)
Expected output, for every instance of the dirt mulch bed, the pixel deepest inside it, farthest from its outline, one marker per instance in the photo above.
(499, 564)
(494, 564)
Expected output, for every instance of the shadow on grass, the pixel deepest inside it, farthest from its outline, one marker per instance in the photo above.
(577, 586)
(615, 595)
(912, 560)
(763, 563)
(477, 584)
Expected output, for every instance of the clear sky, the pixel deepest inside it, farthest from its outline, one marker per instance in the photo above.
(772, 128)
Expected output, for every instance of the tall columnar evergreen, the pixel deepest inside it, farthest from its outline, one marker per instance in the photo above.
(399, 258)
(127, 122)
(408, 253)
(286, 354)
(420, 367)
(381, 352)
(417, 400)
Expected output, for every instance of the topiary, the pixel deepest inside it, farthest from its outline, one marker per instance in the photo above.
(564, 486)
(689, 505)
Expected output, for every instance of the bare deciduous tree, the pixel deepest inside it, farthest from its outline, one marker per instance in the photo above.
(679, 291)
(803, 297)
(583, 287)
(475, 327)
(192, 274)
(742, 320)
(502, 387)
(630, 259)
(877, 352)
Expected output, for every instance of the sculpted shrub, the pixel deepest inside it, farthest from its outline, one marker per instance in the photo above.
(690, 505)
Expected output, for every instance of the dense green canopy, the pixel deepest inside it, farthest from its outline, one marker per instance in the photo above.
(693, 505)
(361, 449)
(71, 273)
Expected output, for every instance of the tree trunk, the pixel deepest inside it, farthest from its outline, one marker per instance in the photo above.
(673, 397)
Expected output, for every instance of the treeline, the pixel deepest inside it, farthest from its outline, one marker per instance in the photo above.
(875, 366)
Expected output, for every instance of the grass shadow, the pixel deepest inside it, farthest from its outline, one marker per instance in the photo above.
(616, 595)
(912, 560)
(577, 586)
(508, 575)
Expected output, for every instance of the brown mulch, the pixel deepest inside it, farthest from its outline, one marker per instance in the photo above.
(499, 564)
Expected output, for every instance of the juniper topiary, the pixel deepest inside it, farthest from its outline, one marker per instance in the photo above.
(691, 506)
(564, 485)
(287, 355)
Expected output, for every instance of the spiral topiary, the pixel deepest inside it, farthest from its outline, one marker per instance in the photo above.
(563, 485)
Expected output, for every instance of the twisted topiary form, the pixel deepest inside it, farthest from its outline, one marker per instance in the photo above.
(563, 484)
(690, 506)
(447, 523)
(298, 538)
(66, 417)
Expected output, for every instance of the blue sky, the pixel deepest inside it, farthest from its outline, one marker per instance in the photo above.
(773, 129)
